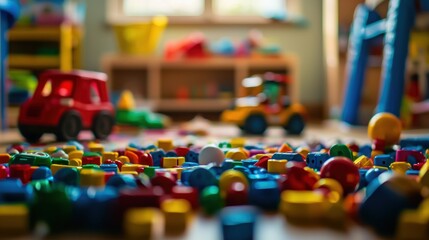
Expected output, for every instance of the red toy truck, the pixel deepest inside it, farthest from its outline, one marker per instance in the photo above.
(65, 103)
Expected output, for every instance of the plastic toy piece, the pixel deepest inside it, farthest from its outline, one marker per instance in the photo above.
(330, 184)
(176, 215)
(141, 223)
(298, 178)
(340, 150)
(383, 160)
(400, 167)
(424, 175)
(187, 193)
(228, 178)
(169, 162)
(4, 158)
(276, 166)
(265, 195)
(265, 105)
(363, 162)
(211, 200)
(415, 158)
(402, 193)
(238, 222)
(201, 178)
(344, 171)
(55, 107)
(92, 177)
(315, 160)
(211, 154)
(14, 219)
(386, 127)
(166, 182)
(237, 194)
(236, 154)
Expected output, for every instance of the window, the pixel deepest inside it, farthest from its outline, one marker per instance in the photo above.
(204, 11)
(65, 88)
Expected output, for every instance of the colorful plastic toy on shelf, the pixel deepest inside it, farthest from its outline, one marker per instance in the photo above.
(22, 85)
(266, 104)
(65, 103)
(127, 115)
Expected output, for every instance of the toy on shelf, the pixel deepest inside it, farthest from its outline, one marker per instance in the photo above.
(266, 104)
(193, 46)
(9, 12)
(126, 114)
(51, 12)
(367, 26)
(140, 38)
(64, 103)
(22, 84)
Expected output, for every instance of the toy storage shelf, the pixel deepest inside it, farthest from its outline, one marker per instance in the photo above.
(191, 85)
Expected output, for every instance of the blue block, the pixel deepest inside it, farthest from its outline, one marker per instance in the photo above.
(362, 180)
(238, 223)
(414, 148)
(383, 204)
(258, 177)
(109, 167)
(120, 181)
(256, 170)
(216, 170)
(92, 210)
(201, 178)
(249, 162)
(171, 154)
(315, 160)
(157, 157)
(189, 164)
(295, 157)
(412, 172)
(365, 150)
(192, 156)
(228, 164)
(67, 176)
(372, 174)
(41, 173)
(184, 177)
(12, 190)
(383, 160)
(265, 194)
(135, 145)
(242, 169)
(150, 147)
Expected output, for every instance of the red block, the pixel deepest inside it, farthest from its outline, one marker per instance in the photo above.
(91, 160)
(20, 171)
(187, 193)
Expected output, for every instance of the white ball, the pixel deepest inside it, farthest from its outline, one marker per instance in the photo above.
(211, 154)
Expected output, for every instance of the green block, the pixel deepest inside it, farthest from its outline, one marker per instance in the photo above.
(341, 150)
(237, 163)
(150, 171)
(90, 166)
(60, 161)
(211, 201)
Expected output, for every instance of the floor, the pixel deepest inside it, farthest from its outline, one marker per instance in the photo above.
(269, 226)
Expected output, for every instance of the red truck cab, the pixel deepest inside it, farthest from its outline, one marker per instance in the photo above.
(64, 103)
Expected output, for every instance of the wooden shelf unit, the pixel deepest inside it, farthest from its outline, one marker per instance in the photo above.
(192, 85)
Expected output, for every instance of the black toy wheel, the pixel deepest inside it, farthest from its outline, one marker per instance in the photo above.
(102, 125)
(30, 133)
(69, 127)
(295, 125)
(255, 124)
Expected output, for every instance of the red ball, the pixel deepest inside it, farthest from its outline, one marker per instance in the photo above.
(343, 170)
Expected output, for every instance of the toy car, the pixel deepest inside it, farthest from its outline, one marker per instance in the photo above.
(266, 104)
(64, 103)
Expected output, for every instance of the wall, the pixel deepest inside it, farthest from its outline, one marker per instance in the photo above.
(305, 42)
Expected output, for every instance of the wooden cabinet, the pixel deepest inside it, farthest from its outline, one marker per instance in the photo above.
(191, 85)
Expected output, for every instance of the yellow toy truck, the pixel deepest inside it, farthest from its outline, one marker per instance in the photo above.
(266, 104)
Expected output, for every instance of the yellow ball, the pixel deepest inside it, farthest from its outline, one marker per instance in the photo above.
(386, 127)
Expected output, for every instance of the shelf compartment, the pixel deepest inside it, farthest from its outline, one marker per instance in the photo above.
(35, 34)
(193, 105)
(134, 80)
(33, 62)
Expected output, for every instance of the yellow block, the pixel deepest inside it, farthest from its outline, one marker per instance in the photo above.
(303, 206)
(56, 167)
(110, 155)
(14, 219)
(76, 154)
(258, 156)
(400, 167)
(142, 223)
(75, 162)
(126, 101)
(331, 184)
(131, 167)
(238, 142)
(363, 162)
(165, 144)
(124, 159)
(91, 178)
(50, 149)
(228, 178)
(134, 173)
(169, 162)
(303, 151)
(176, 214)
(95, 147)
(69, 148)
(276, 166)
(236, 154)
